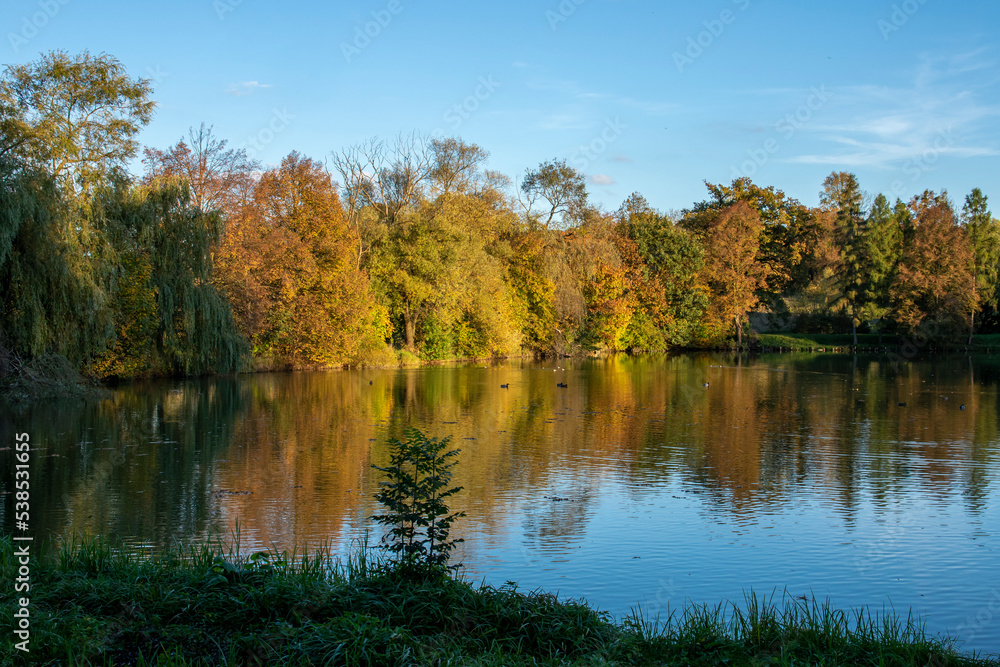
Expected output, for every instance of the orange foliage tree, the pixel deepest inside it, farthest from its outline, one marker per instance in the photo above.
(288, 266)
(935, 284)
(734, 270)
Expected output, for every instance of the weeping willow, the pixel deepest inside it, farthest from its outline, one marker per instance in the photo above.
(169, 310)
(120, 285)
(53, 291)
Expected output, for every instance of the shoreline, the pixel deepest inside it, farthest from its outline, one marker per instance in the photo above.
(212, 605)
(51, 376)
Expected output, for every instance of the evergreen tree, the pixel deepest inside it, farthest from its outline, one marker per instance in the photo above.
(883, 247)
(842, 194)
(984, 234)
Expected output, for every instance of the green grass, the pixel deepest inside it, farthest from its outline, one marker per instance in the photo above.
(987, 340)
(94, 604)
(828, 341)
(831, 342)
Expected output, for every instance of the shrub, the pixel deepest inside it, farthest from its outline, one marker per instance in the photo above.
(414, 495)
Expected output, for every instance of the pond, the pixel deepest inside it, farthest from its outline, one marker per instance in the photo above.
(645, 482)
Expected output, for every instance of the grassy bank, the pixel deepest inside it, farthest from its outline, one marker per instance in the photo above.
(838, 342)
(93, 604)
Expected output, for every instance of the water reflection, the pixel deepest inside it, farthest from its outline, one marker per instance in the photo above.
(706, 470)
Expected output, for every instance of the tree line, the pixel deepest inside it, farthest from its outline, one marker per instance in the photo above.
(212, 262)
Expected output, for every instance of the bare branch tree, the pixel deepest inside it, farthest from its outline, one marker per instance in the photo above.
(385, 178)
(219, 177)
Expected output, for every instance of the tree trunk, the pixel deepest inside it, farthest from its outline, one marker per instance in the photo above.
(972, 325)
(410, 327)
(739, 334)
(854, 330)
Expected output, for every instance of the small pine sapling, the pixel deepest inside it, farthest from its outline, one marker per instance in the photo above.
(414, 494)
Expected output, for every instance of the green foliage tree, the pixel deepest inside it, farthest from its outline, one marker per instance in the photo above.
(414, 496)
(68, 123)
(841, 193)
(54, 292)
(984, 234)
(883, 248)
(74, 117)
(668, 263)
(161, 250)
(563, 188)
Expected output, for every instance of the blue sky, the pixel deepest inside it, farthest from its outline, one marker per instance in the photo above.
(643, 96)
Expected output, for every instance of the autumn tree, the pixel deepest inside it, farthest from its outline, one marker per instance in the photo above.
(445, 283)
(935, 285)
(734, 270)
(219, 178)
(634, 205)
(780, 247)
(289, 268)
(456, 165)
(532, 287)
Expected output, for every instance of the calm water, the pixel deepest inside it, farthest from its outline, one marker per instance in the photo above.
(635, 486)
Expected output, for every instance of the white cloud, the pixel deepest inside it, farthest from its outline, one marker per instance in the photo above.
(572, 90)
(245, 88)
(566, 121)
(882, 127)
(602, 179)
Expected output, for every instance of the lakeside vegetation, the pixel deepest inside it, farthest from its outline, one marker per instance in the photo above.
(95, 604)
(871, 342)
(412, 249)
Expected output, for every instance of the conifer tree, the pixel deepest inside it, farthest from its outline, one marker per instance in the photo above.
(984, 234)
